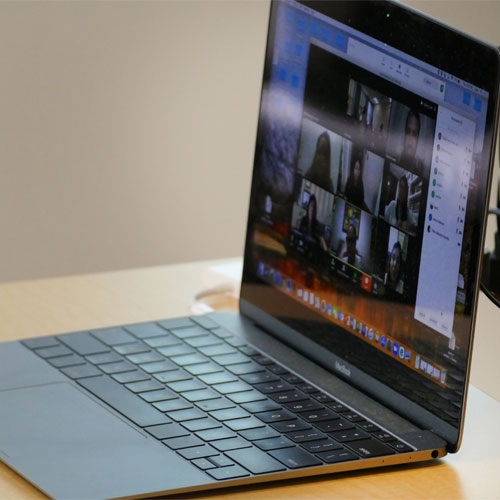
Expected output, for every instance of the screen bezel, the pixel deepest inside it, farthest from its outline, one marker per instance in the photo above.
(458, 55)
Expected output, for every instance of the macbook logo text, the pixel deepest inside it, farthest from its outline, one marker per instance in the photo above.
(343, 369)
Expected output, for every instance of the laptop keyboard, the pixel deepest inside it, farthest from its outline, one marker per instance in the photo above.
(217, 401)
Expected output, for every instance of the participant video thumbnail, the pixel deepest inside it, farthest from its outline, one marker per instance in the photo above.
(401, 198)
(410, 138)
(311, 218)
(371, 110)
(360, 177)
(320, 151)
(352, 235)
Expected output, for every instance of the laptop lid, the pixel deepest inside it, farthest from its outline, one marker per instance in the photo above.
(370, 187)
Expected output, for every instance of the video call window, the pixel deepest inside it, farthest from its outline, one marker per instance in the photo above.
(311, 216)
(371, 110)
(320, 151)
(401, 198)
(351, 239)
(411, 136)
(360, 177)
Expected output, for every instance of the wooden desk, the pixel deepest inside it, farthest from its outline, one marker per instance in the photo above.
(31, 308)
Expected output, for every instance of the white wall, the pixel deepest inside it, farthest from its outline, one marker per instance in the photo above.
(127, 128)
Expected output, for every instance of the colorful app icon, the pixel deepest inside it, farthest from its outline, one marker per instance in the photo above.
(335, 313)
(366, 283)
(311, 298)
(329, 309)
(417, 361)
(359, 326)
(371, 334)
(317, 303)
(389, 344)
(377, 337)
(382, 341)
(299, 292)
(408, 355)
(395, 348)
(289, 285)
(277, 278)
(401, 352)
(306, 296)
(341, 315)
(323, 306)
(364, 330)
(261, 268)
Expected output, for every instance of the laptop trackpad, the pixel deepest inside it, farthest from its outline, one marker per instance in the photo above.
(72, 447)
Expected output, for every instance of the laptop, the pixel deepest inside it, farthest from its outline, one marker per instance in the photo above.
(360, 281)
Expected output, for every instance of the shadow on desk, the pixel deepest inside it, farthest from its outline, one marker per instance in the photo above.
(436, 479)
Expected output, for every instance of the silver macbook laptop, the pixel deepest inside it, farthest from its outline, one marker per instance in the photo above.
(352, 347)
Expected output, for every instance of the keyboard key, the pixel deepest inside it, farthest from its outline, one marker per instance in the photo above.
(244, 368)
(246, 397)
(400, 447)
(334, 425)
(51, 352)
(231, 359)
(271, 387)
(321, 446)
(306, 435)
(179, 443)
(287, 397)
(40, 342)
(164, 341)
(63, 361)
(175, 350)
(230, 444)
(218, 378)
(318, 415)
(104, 357)
(123, 401)
(369, 427)
(158, 366)
(145, 357)
(303, 406)
(145, 385)
(191, 331)
(113, 336)
(258, 406)
(205, 322)
(336, 456)
(307, 388)
(349, 435)
(214, 434)
(257, 378)
(236, 341)
(186, 385)
(131, 348)
(293, 379)
(259, 433)
(278, 370)
(175, 323)
(166, 431)
(231, 387)
(322, 397)
(291, 425)
(241, 424)
(231, 472)
(119, 367)
(263, 360)
(368, 448)
(172, 376)
(200, 395)
(145, 330)
(275, 416)
(172, 405)
(203, 464)
(274, 443)
(255, 460)
(352, 416)
(206, 341)
(222, 333)
(204, 369)
(295, 458)
(383, 436)
(229, 414)
(188, 414)
(337, 407)
(126, 377)
(160, 395)
(214, 404)
(83, 343)
(81, 371)
(249, 351)
(216, 350)
(201, 424)
(189, 359)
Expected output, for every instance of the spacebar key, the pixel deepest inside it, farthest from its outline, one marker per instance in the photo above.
(123, 401)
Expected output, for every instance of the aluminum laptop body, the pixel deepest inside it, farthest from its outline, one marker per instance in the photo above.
(352, 347)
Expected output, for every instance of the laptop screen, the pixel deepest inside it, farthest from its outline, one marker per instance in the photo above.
(367, 203)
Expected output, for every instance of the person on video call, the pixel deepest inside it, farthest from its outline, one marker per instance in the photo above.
(393, 276)
(351, 254)
(410, 144)
(354, 188)
(396, 212)
(309, 225)
(319, 171)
